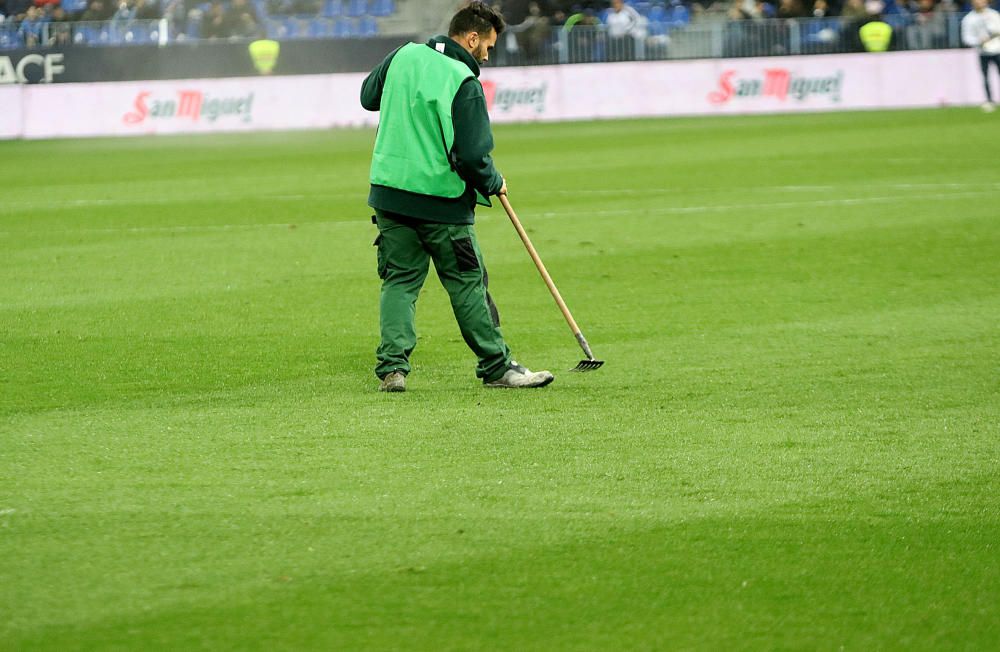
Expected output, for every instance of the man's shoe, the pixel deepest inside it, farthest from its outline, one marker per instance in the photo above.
(517, 376)
(393, 382)
(988, 107)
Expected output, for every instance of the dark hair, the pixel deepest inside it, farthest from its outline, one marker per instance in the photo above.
(477, 17)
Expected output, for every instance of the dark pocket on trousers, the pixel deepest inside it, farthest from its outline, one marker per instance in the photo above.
(380, 256)
(465, 255)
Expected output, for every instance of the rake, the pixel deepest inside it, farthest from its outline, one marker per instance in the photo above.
(590, 363)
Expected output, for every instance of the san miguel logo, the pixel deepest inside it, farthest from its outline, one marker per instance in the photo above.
(188, 105)
(506, 99)
(777, 83)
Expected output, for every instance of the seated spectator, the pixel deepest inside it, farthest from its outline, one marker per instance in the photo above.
(241, 19)
(821, 9)
(214, 24)
(124, 13)
(791, 9)
(96, 11)
(147, 10)
(854, 9)
(30, 28)
(60, 32)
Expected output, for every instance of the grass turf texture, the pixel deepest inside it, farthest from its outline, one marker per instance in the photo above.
(794, 443)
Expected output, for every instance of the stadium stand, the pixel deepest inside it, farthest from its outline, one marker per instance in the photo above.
(541, 31)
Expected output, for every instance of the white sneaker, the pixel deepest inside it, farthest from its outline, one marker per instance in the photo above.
(988, 107)
(517, 376)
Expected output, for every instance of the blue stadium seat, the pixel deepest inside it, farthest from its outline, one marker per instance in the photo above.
(678, 15)
(333, 8)
(345, 28)
(321, 27)
(657, 13)
(382, 8)
(276, 29)
(820, 32)
(357, 8)
(368, 27)
(10, 39)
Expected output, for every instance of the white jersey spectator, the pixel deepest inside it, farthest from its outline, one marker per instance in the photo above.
(624, 20)
(981, 30)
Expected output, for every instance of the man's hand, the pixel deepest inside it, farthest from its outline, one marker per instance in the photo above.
(503, 188)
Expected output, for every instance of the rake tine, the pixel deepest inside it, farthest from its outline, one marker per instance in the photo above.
(588, 365)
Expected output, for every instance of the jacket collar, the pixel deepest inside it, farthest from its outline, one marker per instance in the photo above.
(454, 51)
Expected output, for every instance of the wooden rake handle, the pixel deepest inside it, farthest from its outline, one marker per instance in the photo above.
(545, 276)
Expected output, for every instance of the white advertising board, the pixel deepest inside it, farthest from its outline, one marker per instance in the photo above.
(11, 120)
(734, 86)
(546, 93)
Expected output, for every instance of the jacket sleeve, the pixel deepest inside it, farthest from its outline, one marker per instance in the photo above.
(371, 88)
(474, 139)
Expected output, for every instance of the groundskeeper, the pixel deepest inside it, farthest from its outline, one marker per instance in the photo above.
(431, 165)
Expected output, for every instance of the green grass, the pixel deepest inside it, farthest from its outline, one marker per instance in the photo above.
(794, 442)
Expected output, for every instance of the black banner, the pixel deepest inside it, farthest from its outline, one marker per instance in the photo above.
(201, 60)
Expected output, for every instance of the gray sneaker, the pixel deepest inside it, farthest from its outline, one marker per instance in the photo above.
(518, 376)
(394, 381)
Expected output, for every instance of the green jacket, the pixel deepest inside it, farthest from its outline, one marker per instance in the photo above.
(470, 152)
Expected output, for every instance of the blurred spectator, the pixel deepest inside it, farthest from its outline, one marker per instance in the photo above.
(213, 24)
(791, 9)
(124, 14)
(981, 30)
(241, 20)
(625, 27)
(929, 28)
(854, 9)
(820, 9)
(96, 11)
(147, 10)
(306, 7)
(533, 33)
(30, 28)
(872, 33)
(60, 32)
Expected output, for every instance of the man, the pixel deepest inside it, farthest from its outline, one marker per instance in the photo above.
(430, 167)
(625, 27)
(981, 30)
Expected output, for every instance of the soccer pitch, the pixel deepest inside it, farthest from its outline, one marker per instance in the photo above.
(794, 442)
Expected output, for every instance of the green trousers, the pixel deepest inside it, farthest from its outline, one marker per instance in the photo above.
(405, 248)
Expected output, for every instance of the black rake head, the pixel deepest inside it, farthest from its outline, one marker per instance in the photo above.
(588, 365)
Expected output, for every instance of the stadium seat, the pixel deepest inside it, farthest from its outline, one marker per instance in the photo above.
(320, 27)
(382, 8)
(678, 15)
(345, 28)
(333, 8)
(820, 32)
(276, 29)
(357, 8)
(657, 13)
(368, 27)
(10, 39)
